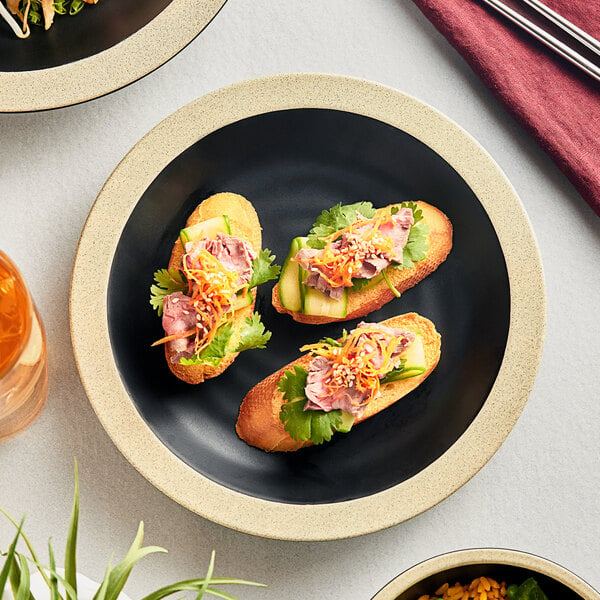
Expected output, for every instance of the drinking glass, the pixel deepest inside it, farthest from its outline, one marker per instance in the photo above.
(23, 361)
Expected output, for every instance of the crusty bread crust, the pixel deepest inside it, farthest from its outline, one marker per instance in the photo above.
(258, 422)
(244, 223)
(365, 301)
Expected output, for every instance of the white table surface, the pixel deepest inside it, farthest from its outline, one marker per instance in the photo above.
(540, 492)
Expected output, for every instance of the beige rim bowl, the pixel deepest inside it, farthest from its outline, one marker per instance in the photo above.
(139, 54)
(116, 411)
(484, 556)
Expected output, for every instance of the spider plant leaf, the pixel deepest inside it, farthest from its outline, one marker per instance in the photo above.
(27, 543)
(120, 574)
(53, 583)
(101, 593)
(195, 584)
(24, 589)
(71, 549)
(207, 577)
(220, 594)
(10, 556)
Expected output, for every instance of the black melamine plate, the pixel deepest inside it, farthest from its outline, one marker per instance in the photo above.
(292, 164)
(94, 29)
(102, 49)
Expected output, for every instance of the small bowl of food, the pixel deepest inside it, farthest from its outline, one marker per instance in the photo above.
(55, 54)
(487, 574)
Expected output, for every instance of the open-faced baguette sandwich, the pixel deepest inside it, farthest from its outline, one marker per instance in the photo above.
(339, 383)
(206, 297)
(357, 258)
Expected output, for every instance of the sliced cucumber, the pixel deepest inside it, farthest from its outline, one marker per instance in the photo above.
(319, 304)
(347, 422)
(242, 299)
(296, 296)
(206, 229)
(289, 288)
(415, 359)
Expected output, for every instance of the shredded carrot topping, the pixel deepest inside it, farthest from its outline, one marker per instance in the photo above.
(212, 288)
(365, 357)
(364, 239)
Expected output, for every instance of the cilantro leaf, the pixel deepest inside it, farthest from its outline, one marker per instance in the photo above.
(359, 283)
(417, 244)
(262, 269)
(417, 212)
(215, 352)
(293, 383)
(303, 425)
(336, 218)
(315, 425)
(253, 335)
(167, 282)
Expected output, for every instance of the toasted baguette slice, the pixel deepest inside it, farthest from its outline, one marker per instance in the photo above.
(365, 301)
(258, 422)
(244, 223)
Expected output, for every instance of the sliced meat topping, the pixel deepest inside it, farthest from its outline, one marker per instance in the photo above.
(179, 317)
(348, 377)
(234, 253)
(362, 250)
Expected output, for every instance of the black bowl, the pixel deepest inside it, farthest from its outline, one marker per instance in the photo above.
(508, 566)
(292, 164)
(101, 49)
(94, 29)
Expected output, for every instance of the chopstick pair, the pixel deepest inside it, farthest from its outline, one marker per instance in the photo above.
(548, 39)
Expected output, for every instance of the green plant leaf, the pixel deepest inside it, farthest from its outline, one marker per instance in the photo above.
(253, 334)
(336, 218)
(53, 583)
(101, 592)
(220, 594)
(27, 543)
(209, 572)
(71, 548)
(215, 352)
(167, 281)
(262, 268)
(10, 556)
(195, 584)
(120, 574)
(24, 589)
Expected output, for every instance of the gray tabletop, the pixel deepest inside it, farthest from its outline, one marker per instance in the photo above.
(540, 491)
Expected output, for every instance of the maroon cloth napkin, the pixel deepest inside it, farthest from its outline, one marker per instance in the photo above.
(552, 100)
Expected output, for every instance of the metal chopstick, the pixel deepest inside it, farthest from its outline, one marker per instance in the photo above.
(546, 38)
(579, 34)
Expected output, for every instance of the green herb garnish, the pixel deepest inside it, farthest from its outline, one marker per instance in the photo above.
(336, 218)
(316, 426)
(253, 335)
(262, 269)
(417, 244)
(215, 352)
(167, 281)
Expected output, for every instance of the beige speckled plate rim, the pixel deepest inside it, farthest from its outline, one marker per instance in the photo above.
(89, 327)
(133, 58)
(482, 556)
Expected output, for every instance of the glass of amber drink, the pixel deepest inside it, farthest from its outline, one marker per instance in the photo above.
(23, 363)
